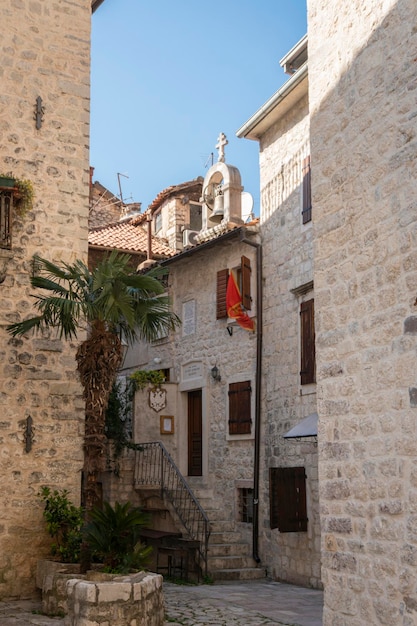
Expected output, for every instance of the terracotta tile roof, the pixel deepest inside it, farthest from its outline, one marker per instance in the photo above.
(127, 237)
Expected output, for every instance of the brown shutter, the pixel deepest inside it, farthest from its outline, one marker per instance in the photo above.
(306, 190)
(246, 273)
(195, 433)
(287, 497)
(308, 352)
(240, 408)
(222, 278)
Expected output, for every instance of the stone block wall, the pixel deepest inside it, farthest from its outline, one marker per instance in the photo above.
(45, 52)
(287, 276)
(134, 600)
(226, 459)
(363, 105)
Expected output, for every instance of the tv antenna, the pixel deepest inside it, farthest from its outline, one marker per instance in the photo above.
(120, 186)
(210, 158)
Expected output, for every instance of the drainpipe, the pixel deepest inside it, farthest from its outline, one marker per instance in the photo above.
(149, 250)
(255, 531)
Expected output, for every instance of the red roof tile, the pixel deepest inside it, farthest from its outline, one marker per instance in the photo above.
(127, 237)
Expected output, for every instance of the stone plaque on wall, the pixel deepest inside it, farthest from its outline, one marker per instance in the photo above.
(188, 318)
(192, 370)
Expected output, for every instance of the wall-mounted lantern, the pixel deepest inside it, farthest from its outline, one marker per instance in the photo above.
(215, 373)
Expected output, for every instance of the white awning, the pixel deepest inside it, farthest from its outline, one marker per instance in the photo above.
(306, 428)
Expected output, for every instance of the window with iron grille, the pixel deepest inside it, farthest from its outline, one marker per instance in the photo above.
(246, 505)
(306, 190)
(240, 420)
(287, 499)
(6, 203)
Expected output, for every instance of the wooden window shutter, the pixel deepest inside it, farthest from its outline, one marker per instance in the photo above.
(306, 190)
(222, 278)
(246, 274)
(308, 351)
(240, 408)
(287, 497)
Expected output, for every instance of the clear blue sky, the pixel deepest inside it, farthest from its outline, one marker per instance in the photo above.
(167, 77)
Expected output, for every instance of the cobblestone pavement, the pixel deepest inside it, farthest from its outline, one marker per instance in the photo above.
(255, 603)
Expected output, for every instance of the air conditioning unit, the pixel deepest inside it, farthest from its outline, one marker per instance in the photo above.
(189, 238)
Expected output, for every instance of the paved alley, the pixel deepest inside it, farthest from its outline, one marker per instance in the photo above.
(251, 603)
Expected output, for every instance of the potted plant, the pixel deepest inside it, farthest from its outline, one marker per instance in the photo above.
(64, 523)
(113, 535)
(22, 189)
(6, 181)
(141, 378)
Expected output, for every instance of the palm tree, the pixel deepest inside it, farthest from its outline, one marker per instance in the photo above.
(112, 303)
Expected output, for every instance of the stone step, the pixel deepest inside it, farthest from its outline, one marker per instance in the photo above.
(251, 573)
(229, 549)
(214, 515)
(219, 563)
(222, 526)
(224, 537)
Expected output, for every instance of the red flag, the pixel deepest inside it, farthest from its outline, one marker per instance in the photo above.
(234, 305)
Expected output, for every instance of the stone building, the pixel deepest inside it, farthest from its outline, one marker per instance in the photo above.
(114, 225)
(289, 503)
(205, 414)
(44, 137)
(363, 111)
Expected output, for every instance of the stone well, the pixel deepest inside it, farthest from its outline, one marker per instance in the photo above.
(100, 599)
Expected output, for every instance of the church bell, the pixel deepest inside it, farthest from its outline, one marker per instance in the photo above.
(218, 207)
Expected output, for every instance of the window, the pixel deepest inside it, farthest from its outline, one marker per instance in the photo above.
(6, 201)
(308, 352)
(287, 499)
(243, 276)
(246, 505)
(196, 220)
(306, 190)
(240, 408)
(158, 221)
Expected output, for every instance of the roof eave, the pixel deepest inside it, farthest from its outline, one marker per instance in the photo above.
(95, 4)
(231, 234)
(274, 108)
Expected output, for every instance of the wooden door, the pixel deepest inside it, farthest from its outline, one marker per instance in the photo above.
(195, 434)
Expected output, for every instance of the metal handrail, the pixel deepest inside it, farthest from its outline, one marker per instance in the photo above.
(154, 466)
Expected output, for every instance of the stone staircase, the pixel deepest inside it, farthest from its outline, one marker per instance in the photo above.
(165, 491)
(229, 554)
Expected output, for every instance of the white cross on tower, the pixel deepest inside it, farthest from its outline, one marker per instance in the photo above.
(221, 143)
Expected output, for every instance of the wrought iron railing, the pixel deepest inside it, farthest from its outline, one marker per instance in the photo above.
(154, 467)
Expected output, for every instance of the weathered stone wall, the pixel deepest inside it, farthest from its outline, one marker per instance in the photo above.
(363, 83)
(226, 459)
(45, 52)
(135, 600)
(288, 266)
(97, 598)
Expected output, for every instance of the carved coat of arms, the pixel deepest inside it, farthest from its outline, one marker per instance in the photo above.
(157, 398)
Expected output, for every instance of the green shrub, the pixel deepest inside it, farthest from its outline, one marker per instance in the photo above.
(113, 537)
(63, 523)
(142, 378)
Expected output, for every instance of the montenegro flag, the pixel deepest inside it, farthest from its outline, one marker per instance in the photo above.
(234, 305)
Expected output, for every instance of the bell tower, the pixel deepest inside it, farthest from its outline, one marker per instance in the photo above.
(222, 193)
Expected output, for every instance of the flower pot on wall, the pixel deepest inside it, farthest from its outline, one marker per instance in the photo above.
(5, 181)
